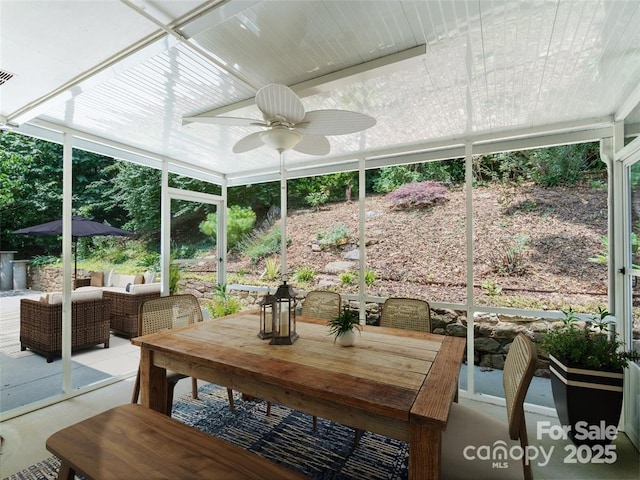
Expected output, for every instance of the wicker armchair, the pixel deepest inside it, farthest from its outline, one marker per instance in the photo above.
(165, 313)
(124, 310)
(41, 325)
(406, 313)
(322, 304)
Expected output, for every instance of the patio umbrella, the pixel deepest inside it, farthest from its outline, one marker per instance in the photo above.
(80, 227)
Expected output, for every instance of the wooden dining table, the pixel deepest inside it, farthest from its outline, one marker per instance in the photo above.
(393, 382)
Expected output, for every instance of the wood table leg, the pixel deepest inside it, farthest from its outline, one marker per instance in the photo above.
(153, 382)
(66, 472)
(424, 452)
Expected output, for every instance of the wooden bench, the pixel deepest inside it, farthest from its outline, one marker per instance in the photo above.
(135, 442)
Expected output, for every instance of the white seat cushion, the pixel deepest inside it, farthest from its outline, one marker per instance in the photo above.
(467, 430)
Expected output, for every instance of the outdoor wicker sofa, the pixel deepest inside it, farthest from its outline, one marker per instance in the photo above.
(41, 324)
(125, 294)
(124, 310)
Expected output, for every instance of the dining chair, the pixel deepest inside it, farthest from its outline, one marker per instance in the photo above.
(468, 429)
(165, 313)
(406, 313)
(319, 304)
(322, 304)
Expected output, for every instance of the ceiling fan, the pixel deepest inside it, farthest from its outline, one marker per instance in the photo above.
(285, 124)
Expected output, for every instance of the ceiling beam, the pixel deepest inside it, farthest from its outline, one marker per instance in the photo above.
(332, 81)
(630, 103)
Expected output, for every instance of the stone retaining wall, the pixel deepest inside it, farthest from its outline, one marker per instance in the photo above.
(47, 279)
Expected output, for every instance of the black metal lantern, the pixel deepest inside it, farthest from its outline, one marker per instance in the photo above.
(267, 318)
(284, 316)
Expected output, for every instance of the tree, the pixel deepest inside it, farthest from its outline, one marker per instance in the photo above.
(31, 187)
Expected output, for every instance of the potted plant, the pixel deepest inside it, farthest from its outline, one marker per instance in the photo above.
(343, 327)
(586, 366)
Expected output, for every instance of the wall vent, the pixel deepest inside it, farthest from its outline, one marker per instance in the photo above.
(5, 77)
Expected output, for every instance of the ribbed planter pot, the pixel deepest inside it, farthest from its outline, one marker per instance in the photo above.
(587, 401)
(347, 339)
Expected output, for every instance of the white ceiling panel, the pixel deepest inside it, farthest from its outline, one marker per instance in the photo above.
(128, 71)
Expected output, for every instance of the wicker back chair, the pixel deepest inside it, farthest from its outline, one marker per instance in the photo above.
(467, 427)
(406, 313)
(165, 313)
(322, 304)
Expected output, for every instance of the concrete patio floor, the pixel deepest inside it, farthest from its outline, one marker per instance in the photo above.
(26, 377)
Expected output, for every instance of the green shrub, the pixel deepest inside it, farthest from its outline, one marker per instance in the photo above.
(347, 278)
(389, 179)
(316, 199)
(150, 261)
(392, 178)
(369, 277)
(305, 274)
(512, 260)
(338, 235)
(41, 260)
(418, 195)
(240, 222)
(260, 245)
(223, 304)
(272, 269)
(587, 345)
(491, 287)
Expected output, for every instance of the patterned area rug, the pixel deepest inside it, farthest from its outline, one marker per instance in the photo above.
(285, 437)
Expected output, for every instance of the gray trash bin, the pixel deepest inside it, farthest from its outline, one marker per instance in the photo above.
(20, 274)
(6, 270)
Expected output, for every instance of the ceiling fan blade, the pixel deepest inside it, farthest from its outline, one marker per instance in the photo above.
(336, 122)
(232, 121)
(313, 145)
(275, 100)
(247, 143)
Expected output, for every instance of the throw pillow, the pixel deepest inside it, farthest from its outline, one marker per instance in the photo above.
(108, 278)
(138, 279)
(97, 279)
(127, 288)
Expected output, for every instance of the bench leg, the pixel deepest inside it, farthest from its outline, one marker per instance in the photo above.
(136, 389)
(66, 472)
(232, 405)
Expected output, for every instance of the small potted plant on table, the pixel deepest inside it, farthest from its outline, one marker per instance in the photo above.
(343, 327)
(586, 366)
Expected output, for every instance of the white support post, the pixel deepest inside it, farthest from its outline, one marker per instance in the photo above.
(221, 236)
(362, 241)
(606, 155)
(283, 217)
(468, 159)
(165, 229)
(618, 255)
(67, 193)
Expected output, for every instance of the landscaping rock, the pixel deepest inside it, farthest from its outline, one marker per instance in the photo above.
(456, 330)
(340, 267)
(352, 255)
(488, 345)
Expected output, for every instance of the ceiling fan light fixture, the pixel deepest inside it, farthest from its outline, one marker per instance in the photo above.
(280, 139)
